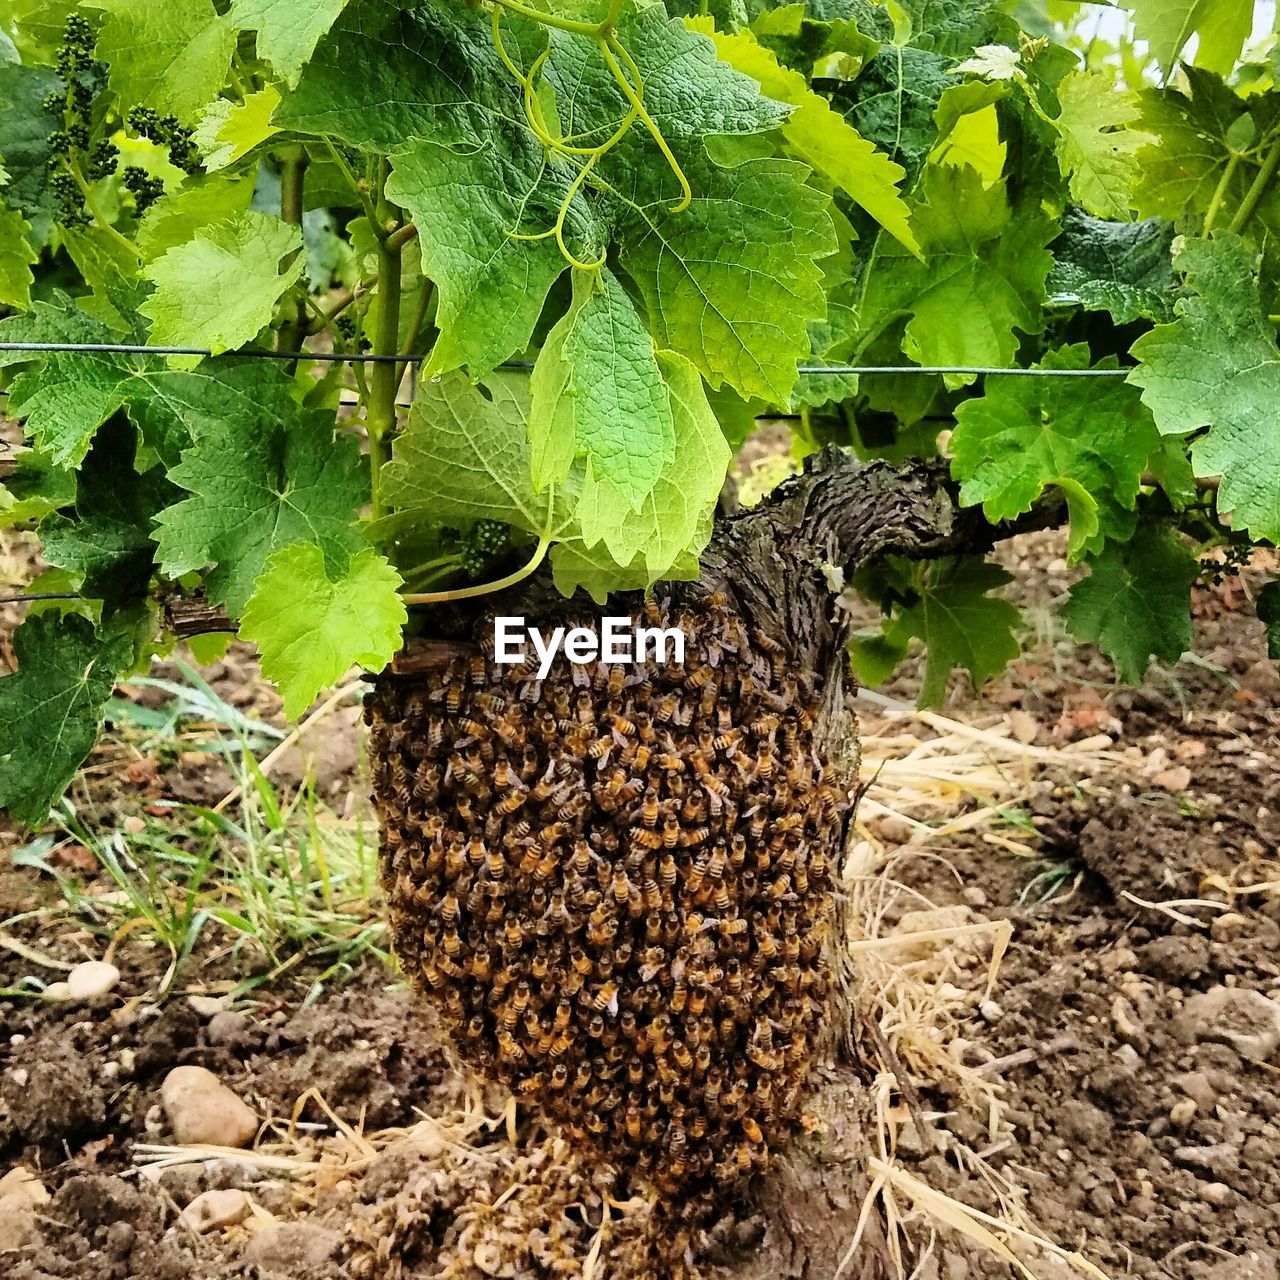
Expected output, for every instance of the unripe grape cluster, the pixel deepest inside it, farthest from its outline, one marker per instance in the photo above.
(483, 543)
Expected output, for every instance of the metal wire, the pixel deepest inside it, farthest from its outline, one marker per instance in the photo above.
(332, 357)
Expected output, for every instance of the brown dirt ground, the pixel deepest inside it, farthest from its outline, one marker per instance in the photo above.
(1129, 1125)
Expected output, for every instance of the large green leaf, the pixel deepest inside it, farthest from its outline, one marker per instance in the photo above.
(16, 259)
(287, 31)
(982, 278)
(733, 281)
(1217, 366)
(1091, 437)
(257, 487)
(24, 136)
(1095, 145)
(220, 288)
(108, 544)
(1167, 25)
(1134, 604)
(51, 709)
(1125, 268)
(171, 55)
(311, 626)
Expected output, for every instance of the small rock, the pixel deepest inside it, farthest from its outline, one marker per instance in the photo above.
(1182, 1113)
(57, 991)
(1217, 1159)
(974, 896)
(207, 1006)
(22, 1184)
(288, 1249)
(202, 1111)
(1242, 1018)
(1025, 727)
(90, 979)
(1215, 1193)
(134, 825)
(17, 1224)
(990, 1011)
(227, 1028)
(210, 1209)
(1195, 1084)
(1177, 778)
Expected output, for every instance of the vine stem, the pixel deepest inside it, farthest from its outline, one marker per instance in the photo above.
(91, 203)
(380, 413)
(561, 24)
(1220, 191)
(292, 189)
(1257, 189)
(483, 588)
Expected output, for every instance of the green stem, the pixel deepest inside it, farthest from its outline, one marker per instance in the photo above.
(292, 190)
(359, 187)
(91, 203)
(551, 20)
(384, 381)
(409, 346)
(1220, 191)
(1257, 189)
(482, 588)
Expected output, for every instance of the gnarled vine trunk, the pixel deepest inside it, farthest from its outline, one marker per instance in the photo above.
(619, 884)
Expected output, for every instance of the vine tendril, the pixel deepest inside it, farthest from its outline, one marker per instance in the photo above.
(630, 80)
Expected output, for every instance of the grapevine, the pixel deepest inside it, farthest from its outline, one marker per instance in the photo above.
(616, 249)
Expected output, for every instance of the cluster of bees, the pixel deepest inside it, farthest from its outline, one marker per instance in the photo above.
(616, 884)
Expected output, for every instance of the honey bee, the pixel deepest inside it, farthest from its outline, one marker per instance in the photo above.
(645, 838)
(513, 933)
(670, 833)
(606, 999)
(665, 708)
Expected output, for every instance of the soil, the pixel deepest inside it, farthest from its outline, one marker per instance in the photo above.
(1138, 1119)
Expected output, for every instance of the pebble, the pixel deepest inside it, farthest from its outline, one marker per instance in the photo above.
(1196, 1085)
(21, 1192)
(207, 1006)
(1182, 1113)
(134, 825)
(202, 1111)
(218, 1208)
(90, 979)
(990, 1011)
(289, 1249)
(1216, 1159)
(57, 991)
(1215, 1193)
(1245, 1019)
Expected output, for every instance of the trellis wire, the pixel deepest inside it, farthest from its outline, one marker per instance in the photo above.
(334, 357)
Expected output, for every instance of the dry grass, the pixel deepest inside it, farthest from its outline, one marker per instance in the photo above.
(923, 970)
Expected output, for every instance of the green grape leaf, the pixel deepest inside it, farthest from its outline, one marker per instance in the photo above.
(33, 488)
(1167, 25)
(1134, 605)
(311, 627)
(172, 55)
(24, 137)
(464, 456)
(257, 487)
(1096, 148)
(1217, 366)
(17, 257)
(228, 130)
(617, 399)
(1268, 603)
(822, 138)
(982, 279)
(483, 191)
(732, 282)
(287, 31)
(673, 518)
(1091, 437)
(1188, 167)
(177, 216)
(51, 709)
(898, 93)
(960, 624)
(66, 396)
(108, 545)
(1125, 268)
(220, 288)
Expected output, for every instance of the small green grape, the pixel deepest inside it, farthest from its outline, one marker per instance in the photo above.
(103, 160)
(54, 103)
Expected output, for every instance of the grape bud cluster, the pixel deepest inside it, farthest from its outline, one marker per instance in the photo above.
(78, 69)
(166, 131)
(484, 541)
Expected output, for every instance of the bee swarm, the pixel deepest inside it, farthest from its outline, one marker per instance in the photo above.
(616, 884)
